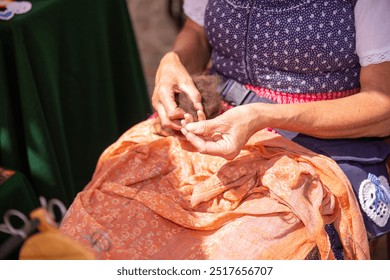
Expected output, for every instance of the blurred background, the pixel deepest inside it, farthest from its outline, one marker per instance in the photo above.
(73, 78)
(155, 24)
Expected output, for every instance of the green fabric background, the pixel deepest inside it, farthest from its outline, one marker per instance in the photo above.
(16, 193)
(71, 83)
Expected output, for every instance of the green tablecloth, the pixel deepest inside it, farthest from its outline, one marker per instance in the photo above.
(70, 83)
(15, 193)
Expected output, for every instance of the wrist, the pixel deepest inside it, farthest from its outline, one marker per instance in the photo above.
(170, 58)
(263, 115)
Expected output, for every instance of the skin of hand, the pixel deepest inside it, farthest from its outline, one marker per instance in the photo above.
(172, 78)
(211, 98)
(190, 55)
(365, 114)
(224, 135)
(211, 102)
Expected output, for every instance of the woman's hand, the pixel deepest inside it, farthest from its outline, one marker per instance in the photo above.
(190, 55)
(224, 135)
(172, 78)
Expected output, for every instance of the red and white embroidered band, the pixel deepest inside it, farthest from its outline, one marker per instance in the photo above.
(286, 98)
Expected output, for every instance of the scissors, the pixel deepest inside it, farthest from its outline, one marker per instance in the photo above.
(45, 216)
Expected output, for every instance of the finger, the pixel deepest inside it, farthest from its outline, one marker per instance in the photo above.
(184, 131)
(193, 93)
(216, 136)
(201, 115)
(214, 148)
(167, 99)
(188, 118)
(203, 146)
(195, 140)
(203, 127)
(165, 121)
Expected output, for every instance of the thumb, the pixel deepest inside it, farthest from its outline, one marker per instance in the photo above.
(201, 127)
(193, 93)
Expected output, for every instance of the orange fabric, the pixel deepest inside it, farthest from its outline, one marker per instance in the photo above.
(155, 197)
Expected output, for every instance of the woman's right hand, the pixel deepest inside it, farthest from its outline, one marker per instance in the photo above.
(173, 78)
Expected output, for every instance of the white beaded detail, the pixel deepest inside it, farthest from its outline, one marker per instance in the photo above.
(374, 198)
(20, 7)
(14, 8)
(375, 58)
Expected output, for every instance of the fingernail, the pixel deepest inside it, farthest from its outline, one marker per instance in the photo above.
(216, 136)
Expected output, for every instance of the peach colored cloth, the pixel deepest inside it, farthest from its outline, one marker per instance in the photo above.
(155, 197)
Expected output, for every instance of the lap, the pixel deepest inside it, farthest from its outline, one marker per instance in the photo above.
(151, 192)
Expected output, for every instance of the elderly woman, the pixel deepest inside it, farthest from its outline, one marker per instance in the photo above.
(307, 72)
(291, 52)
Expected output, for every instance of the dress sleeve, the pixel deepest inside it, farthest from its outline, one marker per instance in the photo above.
(195, 10)
(372, 23)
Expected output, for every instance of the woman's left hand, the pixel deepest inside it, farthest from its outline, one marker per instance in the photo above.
(222, 136)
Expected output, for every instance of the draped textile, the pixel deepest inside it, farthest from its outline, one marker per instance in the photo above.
(155, 197)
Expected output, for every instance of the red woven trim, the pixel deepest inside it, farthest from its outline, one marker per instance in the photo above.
(286, 98)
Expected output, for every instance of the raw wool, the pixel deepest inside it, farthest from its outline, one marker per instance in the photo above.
(211, 98)
(211, 102)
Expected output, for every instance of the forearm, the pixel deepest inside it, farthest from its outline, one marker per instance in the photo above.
(192, 48)
(350, 117)
(365, 114)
